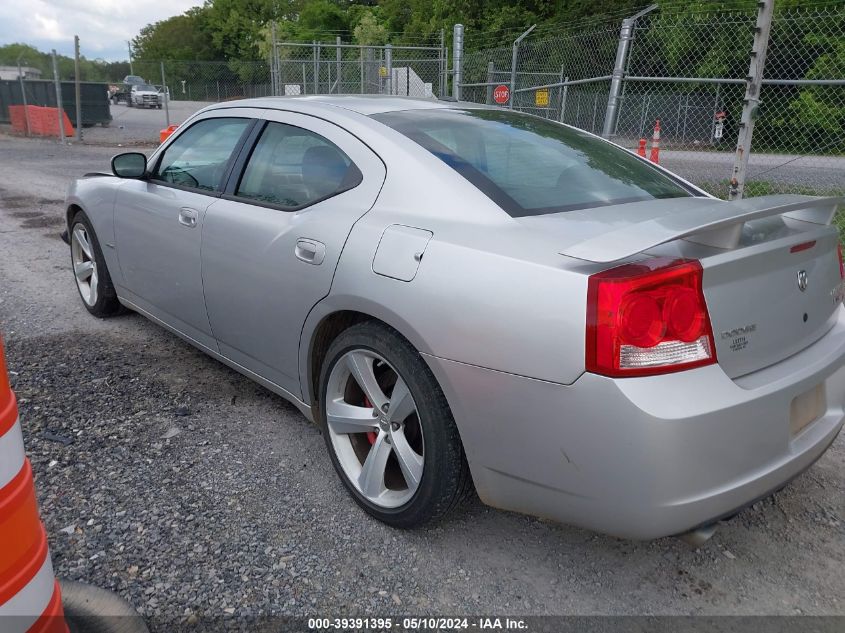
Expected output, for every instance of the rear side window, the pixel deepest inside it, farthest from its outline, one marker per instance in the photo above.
(531, 166)
(199, 156)
(292, 167)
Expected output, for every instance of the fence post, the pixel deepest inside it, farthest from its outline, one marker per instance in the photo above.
(752, 97)
(361, 55)
(274, 82)
(563, 98)
(317, 53)
(23, 97)
(338, 57)
(457, 60)
(559, 90)
(441, 62)
(166, 97)
(59, 107)
(490, 70)
(626, 34)
(77, 80)
(514, 55)
(388, 62)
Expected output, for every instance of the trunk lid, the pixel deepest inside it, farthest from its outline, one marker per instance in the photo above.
(774, 295)
(772, 277)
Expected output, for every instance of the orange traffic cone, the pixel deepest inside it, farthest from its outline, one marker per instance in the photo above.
(641, 148)
(655, 144)
(30, 598)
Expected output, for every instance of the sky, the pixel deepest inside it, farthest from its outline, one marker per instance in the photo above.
(103, 26)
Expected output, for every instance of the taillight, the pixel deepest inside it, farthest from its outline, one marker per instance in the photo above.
(648, 318)
(841, 263)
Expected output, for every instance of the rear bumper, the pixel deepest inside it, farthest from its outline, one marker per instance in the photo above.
(642, 457)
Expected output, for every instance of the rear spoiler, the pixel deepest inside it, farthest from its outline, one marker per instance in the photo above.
(711, 222)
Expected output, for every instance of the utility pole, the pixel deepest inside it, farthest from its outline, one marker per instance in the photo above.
(129, 45)
(751, 103)
(78, 88)
(59, 107)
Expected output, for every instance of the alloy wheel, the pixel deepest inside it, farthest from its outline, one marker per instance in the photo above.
(374, 428)
(84, 264)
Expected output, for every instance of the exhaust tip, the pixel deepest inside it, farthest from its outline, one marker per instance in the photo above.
(699, 536)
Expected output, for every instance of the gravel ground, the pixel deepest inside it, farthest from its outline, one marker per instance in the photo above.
(195, 493)
(133, 126)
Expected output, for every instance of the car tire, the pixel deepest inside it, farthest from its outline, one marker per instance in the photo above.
(429, 430)
(90, 271)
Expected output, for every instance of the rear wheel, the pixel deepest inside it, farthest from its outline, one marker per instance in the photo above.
(89, 269)
(389, 430)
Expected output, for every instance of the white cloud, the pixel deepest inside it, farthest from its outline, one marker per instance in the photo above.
(103, 26)
(47, 28)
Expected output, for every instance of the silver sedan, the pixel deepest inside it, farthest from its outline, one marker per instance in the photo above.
(466, 298)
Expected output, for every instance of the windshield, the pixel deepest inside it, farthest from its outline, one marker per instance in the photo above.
(145, 88)
(531, 166)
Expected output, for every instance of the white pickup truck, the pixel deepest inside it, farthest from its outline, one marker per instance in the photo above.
(145, 96)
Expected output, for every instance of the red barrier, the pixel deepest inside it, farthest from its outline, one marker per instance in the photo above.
(42, 121)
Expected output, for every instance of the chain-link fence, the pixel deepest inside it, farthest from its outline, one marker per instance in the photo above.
(296, 68)
(338, 68)
(208, 81)
(688, 70)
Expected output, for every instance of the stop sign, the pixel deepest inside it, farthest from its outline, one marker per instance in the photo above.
(501, 94)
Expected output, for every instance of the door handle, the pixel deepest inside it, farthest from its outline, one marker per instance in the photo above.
(310, 251)
(188, 217)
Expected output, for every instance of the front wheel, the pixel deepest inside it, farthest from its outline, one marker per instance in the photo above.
(89, 269)
(389, 430)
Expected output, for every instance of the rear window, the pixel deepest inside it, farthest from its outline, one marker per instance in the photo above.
(530, 166)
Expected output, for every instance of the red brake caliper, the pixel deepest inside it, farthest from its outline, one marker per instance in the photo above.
(371, 435)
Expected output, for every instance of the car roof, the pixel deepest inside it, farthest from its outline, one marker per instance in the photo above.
(362, 104)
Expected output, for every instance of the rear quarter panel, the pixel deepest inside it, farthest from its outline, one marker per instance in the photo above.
(488, 291)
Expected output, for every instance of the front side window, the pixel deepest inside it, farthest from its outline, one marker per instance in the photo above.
(531, 166)
(199, 156)
(291, 167)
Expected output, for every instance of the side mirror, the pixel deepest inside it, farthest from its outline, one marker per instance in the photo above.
(129, 165)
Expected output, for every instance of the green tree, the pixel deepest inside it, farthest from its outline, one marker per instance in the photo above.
(185, 36)
(369, 31)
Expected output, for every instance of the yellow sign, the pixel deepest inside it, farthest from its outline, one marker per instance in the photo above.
(541, 97)
(382, 72)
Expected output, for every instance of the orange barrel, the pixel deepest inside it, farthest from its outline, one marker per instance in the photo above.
(641, 148)
(164, 134)
(30, 599)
